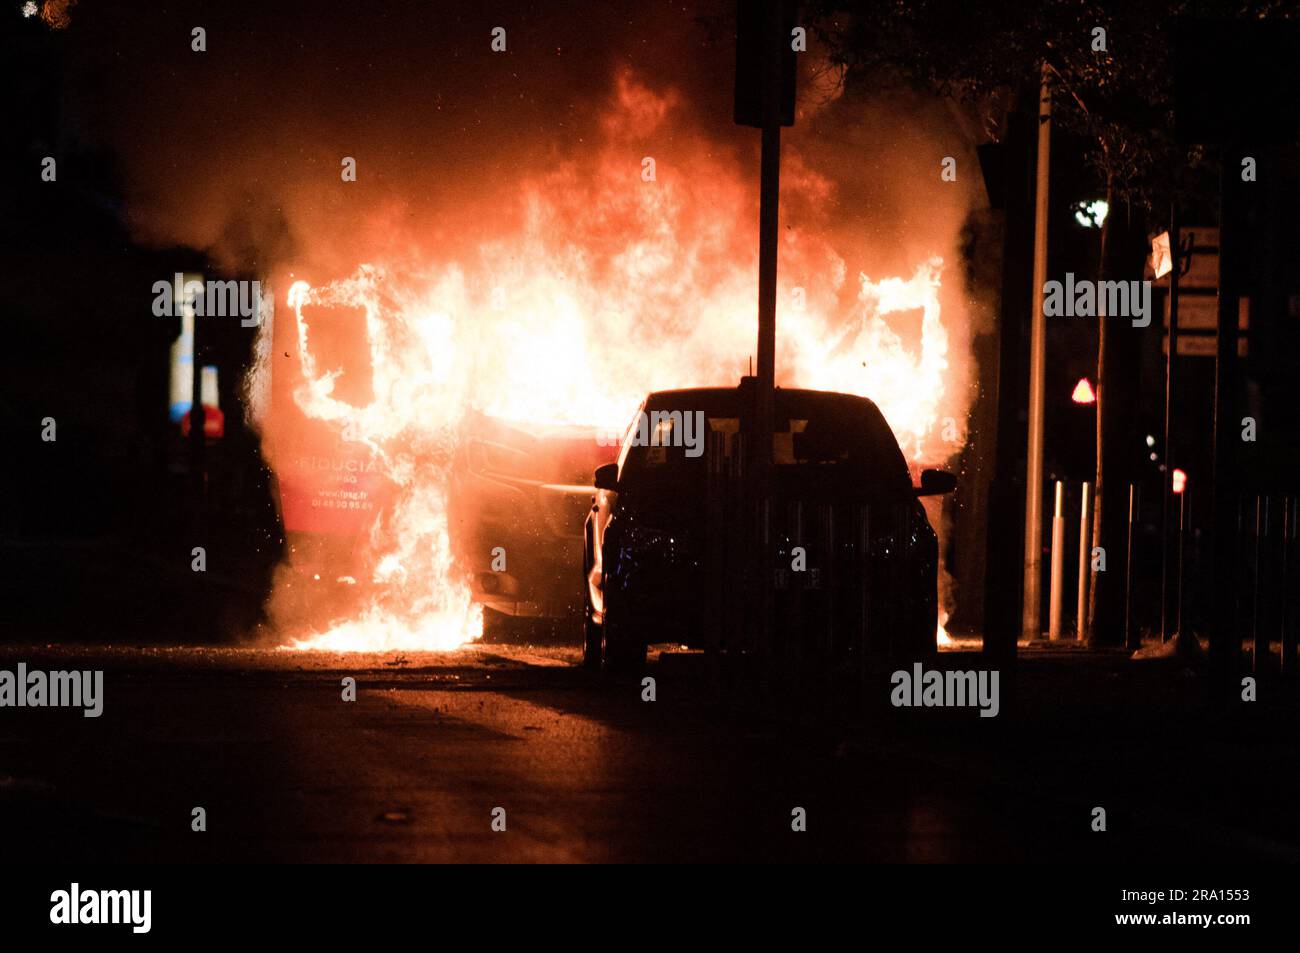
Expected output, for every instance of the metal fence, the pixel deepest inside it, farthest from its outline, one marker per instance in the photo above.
(839, 567)
(1268, 577)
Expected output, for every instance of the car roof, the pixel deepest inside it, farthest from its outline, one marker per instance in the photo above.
(849, 416)
(722, 398)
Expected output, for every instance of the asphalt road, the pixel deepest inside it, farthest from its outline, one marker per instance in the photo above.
(286, 770)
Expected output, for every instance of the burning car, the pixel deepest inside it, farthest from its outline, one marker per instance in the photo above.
(664, 533)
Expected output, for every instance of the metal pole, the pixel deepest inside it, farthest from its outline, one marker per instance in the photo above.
(1288, 661)
(768, 235)
(1259, 654)
(1031, 617)
(1171, 364)
(1085, 564)
(1058, 565)
(1225, 637)
(197, 436)
(1184, 638)
(1132, 639)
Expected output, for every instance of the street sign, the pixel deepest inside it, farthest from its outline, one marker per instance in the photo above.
(1200, 312)
(1201, 345)
(1198, 325)
(1198, 293)
(1198, 258)
(1160, 261)
(1201, 257)
(751, 45)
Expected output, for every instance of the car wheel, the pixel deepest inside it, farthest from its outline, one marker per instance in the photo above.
(625, 650)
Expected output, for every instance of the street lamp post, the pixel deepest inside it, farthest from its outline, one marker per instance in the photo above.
(1031, 617)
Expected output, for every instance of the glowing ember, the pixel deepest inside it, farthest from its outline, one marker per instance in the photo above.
(605, 286)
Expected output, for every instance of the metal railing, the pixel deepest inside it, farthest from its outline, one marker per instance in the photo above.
(840, 578)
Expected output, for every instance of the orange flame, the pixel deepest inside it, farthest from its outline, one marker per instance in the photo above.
(615, 282)
(421, 603)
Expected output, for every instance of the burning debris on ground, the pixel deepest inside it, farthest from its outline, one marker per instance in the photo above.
(742, 431)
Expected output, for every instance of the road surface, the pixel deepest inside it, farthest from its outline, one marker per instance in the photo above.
(585, 770)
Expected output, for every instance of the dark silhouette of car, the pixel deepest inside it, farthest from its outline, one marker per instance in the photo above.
(651, 568)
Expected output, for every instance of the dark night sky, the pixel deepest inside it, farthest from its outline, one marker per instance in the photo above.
(237, 149)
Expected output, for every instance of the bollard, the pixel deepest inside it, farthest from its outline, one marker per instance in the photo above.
(1287, 662)
(1183, 637)
(1058, 564)
(1085, 564)
(1259, 636)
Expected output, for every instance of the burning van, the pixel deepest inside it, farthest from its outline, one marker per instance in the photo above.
(330, 493)
(516, 501)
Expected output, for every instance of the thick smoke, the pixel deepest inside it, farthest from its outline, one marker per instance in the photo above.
(237, 150)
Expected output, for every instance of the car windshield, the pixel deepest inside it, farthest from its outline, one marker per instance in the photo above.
(821, 443)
